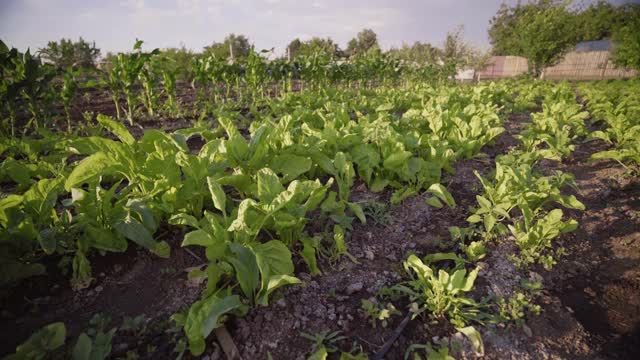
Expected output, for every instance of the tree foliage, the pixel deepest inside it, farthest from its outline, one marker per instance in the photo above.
(297, 47)
(365, 41)
(541, 31)
(239, 43)
(419, 53)
(177, 60)
(459, 54)
(626, 38)
(596, 21)
(67, 53)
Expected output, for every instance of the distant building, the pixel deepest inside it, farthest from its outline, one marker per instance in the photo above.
(596, 45)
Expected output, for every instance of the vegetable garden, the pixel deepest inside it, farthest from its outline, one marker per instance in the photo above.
(315, 209)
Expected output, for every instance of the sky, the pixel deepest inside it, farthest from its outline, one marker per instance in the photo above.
(115, 24)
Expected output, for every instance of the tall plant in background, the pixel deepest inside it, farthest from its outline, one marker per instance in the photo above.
(32, 80)
(125, 75)
(169, 88)
(149, 79)
(9, 85)
(69, 87)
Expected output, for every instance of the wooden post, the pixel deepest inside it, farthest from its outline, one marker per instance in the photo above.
(231, 51)
(604, 68)
(288, 54)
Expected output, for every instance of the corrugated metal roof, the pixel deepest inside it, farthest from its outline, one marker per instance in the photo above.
(597, 45)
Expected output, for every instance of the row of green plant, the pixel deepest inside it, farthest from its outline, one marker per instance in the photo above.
(517, 203)
(518, 200)
(142, 82)
(617, 107)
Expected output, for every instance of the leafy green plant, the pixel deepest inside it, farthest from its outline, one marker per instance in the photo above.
(95, 343)
(324, 343)
(41, 343)
(534, 236)
(375, 312)
(514, 308)
(69, 88)
(441, 293)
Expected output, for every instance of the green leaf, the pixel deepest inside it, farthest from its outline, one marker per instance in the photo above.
(242, 182)
(184, 219)
(476, 339)
(433, 201)
(483, 202)
(197, 237)
(474, 218)
(471, 278)
(275, 264)
(47, 240)
(489, 222)
(443, 194)
(319, 354)
(290, 166)
(217, 194)
(7, 203)
(41, 197)
(324, 163)
(224, 306)
(132, 229)
(246, 268)
(162, 249)
(571, 202)
(379, 184)
(82, 349)
(12, 271)
(308, 254)
(357, 211)
(273, 258)
(103, 239)
(476, 250)
(94, 165)
(269, 185)
(117, 128)
(396, 160)
(40, 344)
(273, 283)
(414, 263)
(207, 314)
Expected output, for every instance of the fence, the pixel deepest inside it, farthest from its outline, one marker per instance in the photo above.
(583, 65)
(588, 65)
(502, 67)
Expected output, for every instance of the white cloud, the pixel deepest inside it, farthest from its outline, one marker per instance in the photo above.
(134, 4)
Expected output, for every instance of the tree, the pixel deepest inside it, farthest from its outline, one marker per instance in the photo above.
(540, 31)
(316, 44)
(365, 41)
(67, 53)
(626, 38)
(459, 54)
(596, 21)
(177, 60)
(239, 43)
(420, 53)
